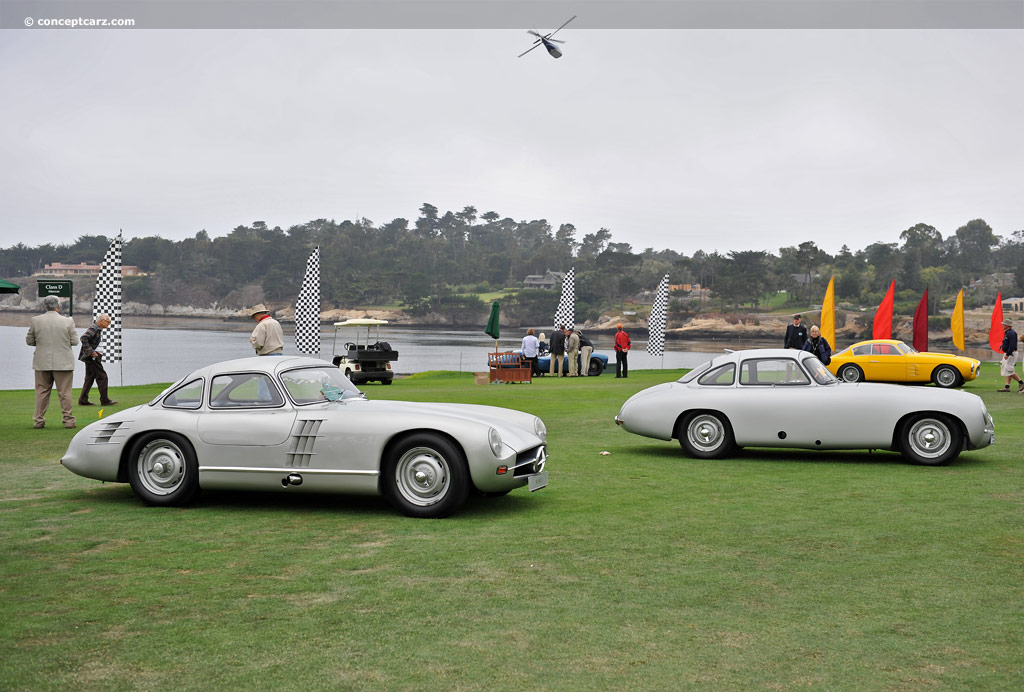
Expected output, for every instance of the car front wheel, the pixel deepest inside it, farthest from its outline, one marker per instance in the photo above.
(947, 377)
(425, 476)
(162, 469)
(851, 373)
(596, 367)
(931, 440)
(706, 435)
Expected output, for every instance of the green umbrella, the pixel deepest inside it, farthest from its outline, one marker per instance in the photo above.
(8, 287)
(493, 329)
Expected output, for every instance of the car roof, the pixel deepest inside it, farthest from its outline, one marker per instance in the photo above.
(267, 364)
(878, 341)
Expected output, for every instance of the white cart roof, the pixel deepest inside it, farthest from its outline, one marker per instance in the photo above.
(359, 323)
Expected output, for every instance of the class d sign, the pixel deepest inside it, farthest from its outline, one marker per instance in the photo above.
(61, 289)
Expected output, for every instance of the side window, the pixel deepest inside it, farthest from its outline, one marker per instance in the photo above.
(722, 376)
(863, 350)
(884, 350)
(188, 395)
(772, 371)
(244, 390)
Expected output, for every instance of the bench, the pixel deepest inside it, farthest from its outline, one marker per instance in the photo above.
(508, 367)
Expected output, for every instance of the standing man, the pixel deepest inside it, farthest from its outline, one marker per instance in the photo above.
(557, 351)
(586, 348)
(54, 362)
(622, 346)
(1009, 349)
(796, 334)
(267, 338)
(531, 346)
(93, 360)
(572, 347)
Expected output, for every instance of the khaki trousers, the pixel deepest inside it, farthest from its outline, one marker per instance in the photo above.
(574, 363)
(45, 379)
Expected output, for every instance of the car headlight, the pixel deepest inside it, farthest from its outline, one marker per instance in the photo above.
(540, 429)
(494, 439)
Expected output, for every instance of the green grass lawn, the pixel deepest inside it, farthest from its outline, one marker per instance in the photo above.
(641, 570)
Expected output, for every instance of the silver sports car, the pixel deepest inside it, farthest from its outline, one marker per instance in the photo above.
(787, 398)
(297, 425)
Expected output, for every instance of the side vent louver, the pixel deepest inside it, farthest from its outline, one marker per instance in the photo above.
(110, 432)
(304, 434)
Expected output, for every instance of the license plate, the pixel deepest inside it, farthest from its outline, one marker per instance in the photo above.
(538, 480)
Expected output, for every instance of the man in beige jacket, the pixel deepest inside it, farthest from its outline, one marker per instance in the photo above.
(53, 335)
(267, 338)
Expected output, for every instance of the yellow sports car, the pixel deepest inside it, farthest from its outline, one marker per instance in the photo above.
(887, 360)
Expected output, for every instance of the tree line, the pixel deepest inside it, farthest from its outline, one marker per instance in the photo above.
(438, 263)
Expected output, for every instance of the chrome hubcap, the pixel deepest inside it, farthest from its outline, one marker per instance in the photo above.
(706, 432)
(929, 438)
(161, 467)
(422, 476)
(945, 377)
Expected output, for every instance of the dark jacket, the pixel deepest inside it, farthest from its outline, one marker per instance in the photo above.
(795, 336)
(1009, 345)
(557, 343)
(90, 342)
(823, 350)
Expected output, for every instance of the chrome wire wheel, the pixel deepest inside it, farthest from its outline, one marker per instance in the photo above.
(161, 467)
(947, 377)
(706, 433)
(929, 438)
(423, 476)
(850, 373)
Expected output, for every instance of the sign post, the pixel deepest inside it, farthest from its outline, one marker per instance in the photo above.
(61, 289)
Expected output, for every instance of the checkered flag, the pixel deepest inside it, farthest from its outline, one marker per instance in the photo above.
(108, 301)
(566, 311)
(307, 308)
(656, 322)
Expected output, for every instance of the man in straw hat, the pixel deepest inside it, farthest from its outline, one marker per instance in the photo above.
(1009, 349)
(267, 338)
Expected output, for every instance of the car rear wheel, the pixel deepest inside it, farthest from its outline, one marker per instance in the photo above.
(947, 377)
(596, 367)
(162, 469)
(706, 435)
(426, 476)
(931, 440)
(851, 373)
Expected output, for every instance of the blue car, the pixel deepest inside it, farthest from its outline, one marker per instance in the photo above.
(598, 362)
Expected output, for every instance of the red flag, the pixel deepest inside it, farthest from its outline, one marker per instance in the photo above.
(882, 327)
(921, 324)
(995, 332)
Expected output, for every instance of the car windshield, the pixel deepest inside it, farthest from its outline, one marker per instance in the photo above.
(819, 372)
(318, 384)
(905, 349)
(696, 371)
(161, 394)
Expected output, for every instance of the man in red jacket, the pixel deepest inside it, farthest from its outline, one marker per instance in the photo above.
(622, 346)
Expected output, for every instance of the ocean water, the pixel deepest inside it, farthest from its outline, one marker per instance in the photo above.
(164, 355)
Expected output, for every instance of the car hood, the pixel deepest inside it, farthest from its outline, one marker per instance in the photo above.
(516, 427)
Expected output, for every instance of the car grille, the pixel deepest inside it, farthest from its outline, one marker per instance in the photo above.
(531, 461)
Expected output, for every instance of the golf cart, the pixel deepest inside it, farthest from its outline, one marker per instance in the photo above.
(364, 358)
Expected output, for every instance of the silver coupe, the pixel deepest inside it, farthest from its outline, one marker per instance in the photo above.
(298, 425)
(787, 398)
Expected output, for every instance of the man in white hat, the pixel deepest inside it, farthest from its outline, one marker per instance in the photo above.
(1009, 349)
(267, 338)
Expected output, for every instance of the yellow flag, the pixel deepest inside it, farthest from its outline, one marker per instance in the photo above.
(828, 315)
(956, 323)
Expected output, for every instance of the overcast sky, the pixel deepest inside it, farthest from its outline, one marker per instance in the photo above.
(726, 140)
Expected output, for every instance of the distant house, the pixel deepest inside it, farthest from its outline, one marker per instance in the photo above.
(1013, 305)
(548, 280)
(83, 269)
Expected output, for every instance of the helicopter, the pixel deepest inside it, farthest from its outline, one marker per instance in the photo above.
(547, 41)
